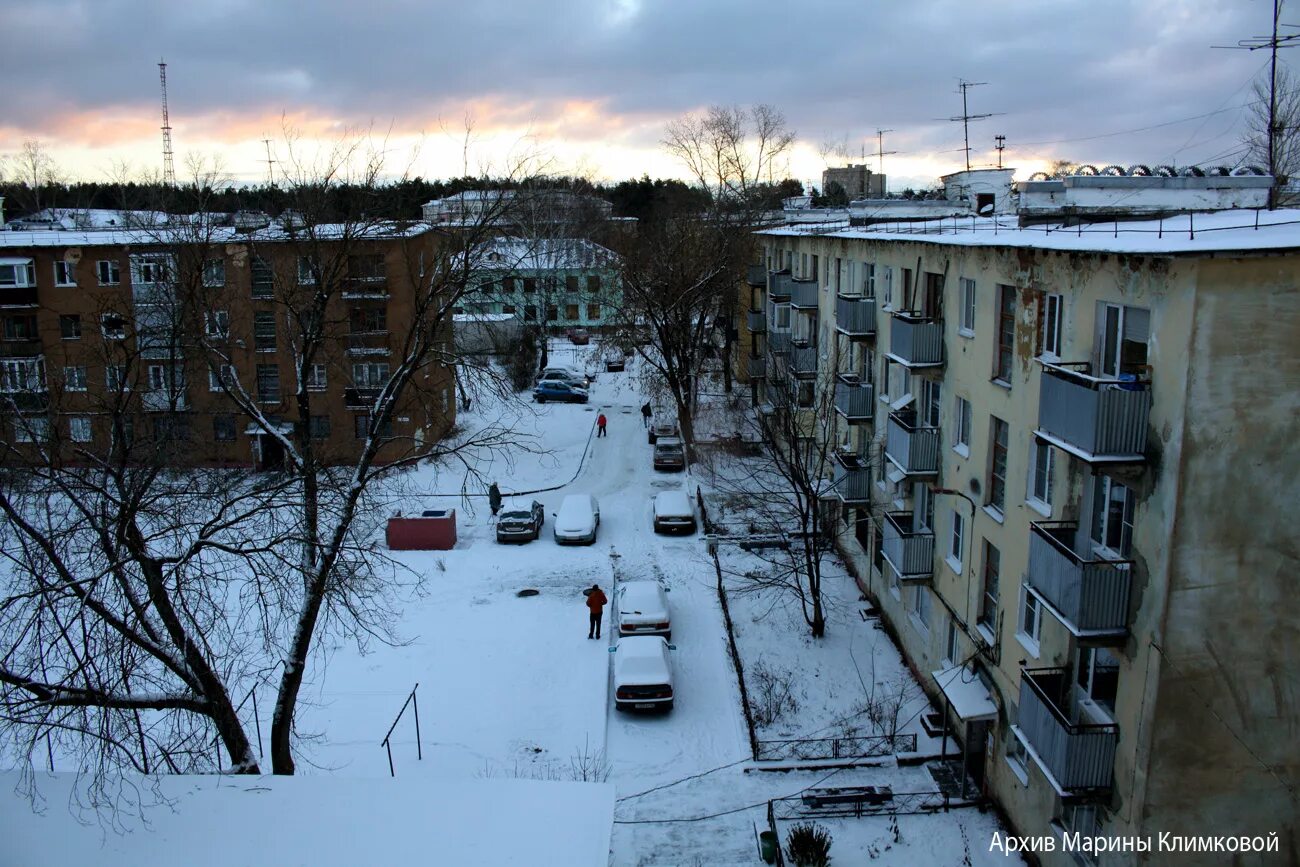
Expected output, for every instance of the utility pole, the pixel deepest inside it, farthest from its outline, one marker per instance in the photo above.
(1000, 146)
(270, 163)
(169, 170)
(966, 117)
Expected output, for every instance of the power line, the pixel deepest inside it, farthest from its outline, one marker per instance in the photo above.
(1138, 129)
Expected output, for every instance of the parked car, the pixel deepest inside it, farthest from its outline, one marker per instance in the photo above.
(520, 522)
(557, 390)
(579, 336)
(566, 374)
(662, 428)
(614, 359)
(670, 454)
(673, 513)
(643, 673)
(577, 520)
(643, 609)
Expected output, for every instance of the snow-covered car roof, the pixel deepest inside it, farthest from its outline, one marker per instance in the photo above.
(524, 506)
(673, 502)
(641, 660)
(642, 597)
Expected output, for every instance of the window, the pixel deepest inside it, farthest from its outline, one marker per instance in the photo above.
(307, 271)
(369, 320)
(22, 374)
(921, 607)
(961, 430)
(113, 326)
(370, 374)
(1031, 618)
(361, 425)
(316, 378)
(593, 312)
(931, 402)
(31, 429)
(268, 383)
(571, 283)
(887, 277)
(318, 427)
(263, 278)
(369, 268)
(65, 274)
(508, 284)
(264, 332)
(530, 284)
(108, 272)
(997, 465)
(1123, 339)
(166, 380)
(115, 377)
(214, 273)
(20, 274)
(1050, 332)
(74, 378)
(79, 428)
(868, 280)
(70, 327)
(221, 378)
(967, 325)
(1006, 334)
(1017, 758)
(19, 328)
(988, 616)
(805, 394)
(1112, 516)
(1041, 461)
(1098, 675)
(216, 324)
(552, 313)
(593, 284)
(952, 644)
(530, 312)
(149, 270)
(783, 317)
(223, 428)
(957, 541)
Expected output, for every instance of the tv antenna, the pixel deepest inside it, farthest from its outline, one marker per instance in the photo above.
(966, 117)
(169, 169)
(270, 163)
(1000, 146)
(881, 153)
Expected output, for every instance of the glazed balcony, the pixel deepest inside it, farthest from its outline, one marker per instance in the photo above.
(911, 446)
(757, 321)
(368, 343)
(1098, 419)
(852, 479)
(360, 398)
(855, 316)
(779, 342)
(855, 400)
(1089, 596)
(19, 296)
(803, 361)
(1076, 755)
(779, 286)
(164, 400)
(907, 546)
(756, 367)
(756, 275)
(916, 341)
(804, 294)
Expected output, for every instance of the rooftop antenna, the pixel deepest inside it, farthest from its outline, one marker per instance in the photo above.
(966, 117)
(881, 153)
(169, 170)
(1000, 147)
(270, 163)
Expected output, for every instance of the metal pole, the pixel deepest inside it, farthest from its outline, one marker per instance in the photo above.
(1272, 110)
(389, 747)
(49, 749)
(419, 750)
(257, 720)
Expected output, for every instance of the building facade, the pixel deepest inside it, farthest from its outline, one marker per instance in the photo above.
(555, 283)
(858, 181)
(1063, 458)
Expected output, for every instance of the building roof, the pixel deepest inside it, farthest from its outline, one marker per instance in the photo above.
(162, 235)
(548, 254)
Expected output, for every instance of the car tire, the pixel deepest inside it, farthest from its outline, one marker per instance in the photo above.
(668, 705)
(540, 399)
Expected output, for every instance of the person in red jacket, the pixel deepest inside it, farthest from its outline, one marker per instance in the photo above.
(600, 425)
(596, 605)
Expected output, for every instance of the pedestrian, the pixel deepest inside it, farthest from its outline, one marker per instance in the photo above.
(646, 413)
(494, 499)
(596, 605)
(600, 425)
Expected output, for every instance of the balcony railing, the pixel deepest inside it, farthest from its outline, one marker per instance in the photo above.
(855, 400)
(1076, 755)
(911, 446)
(19, 296)
(852, 478)
(162, 400)
(756, 275)
(907, 546)
(360, 398)
(803, 361)
(779, 342)
(855, 317)
(365, 288)
(25, 348)
(368, 343)
(803, 293)
(1089, 596)
(915, 341)
(1096, 419)
(757, 321)
(779, 285)
(757, 367)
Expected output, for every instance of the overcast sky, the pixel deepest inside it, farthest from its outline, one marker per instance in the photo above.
(591, 83)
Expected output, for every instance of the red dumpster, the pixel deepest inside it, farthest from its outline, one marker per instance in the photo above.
(435, 530)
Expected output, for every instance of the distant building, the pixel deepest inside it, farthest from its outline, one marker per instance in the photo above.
(858, 181)
(517, 206)
(559, 283)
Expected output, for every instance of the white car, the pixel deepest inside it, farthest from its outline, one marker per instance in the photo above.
(559, 373)
(577, 520)
(643, 609)
(643, 673)
(673, 513)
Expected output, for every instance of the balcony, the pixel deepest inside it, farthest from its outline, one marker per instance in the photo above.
(756, 275)
(18, 296)
(360, 398)
(779, 342)
(855, 317)
(1076, 756)
(911, 446)
(803, 294)
(756, 367)
(907, 546)
(24, 348)
(164, 400)
(803, 361)
(916, 341)
(855, 400)
(852, 476)
(778, 286)
(1096, 419)
(1089, 596)
(756, 321)
(365, 289)
(368, 343)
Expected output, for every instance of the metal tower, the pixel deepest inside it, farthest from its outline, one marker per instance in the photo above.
(169, 170)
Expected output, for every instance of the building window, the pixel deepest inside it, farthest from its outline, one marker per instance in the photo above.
(19, 328)
(593, 312)
(31, 429)
(79, 428)
(370, 375)
(952, 645)
(1051, 327)
(1031, 618)
(552, 313)
(783, 317)
(988, 616)
(887, 278)
(361, 427)
(319, 427)
(530, 312)
(268, 383)
(115, 377)
(216, 324)
(868, 280)
(74, 378)
(508, 285)
(263, 278)
(221, 378)
(316, 378)
(530, 284)
(150, 270)
(22, 374)
(1006, 334)
(571, 283)
(962, 428)
(967, 325)
(805, 394)
(593, 284)
(571, 312)
(1042, 459)
(307, 271)
(264, 332)
(1097, 675)
(921, 607)
(214, 273)
(1017, 758)
(1112, 516)
(113, 326)
(17, 275)
(931, 402)
(70, 327)
(65, 274)
(957, 541)
(108, 272)
(223, 428)
(367, 268)
(998, 464)
(1124, 334)
(369, 320)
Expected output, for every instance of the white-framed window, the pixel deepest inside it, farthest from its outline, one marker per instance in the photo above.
(783, 316)
(31, 429)
(370, 374)
(216, 324)
(17, 274)
(952, 643)
(22, 374)
(961, 429)
(988, 607)
(316, 378)
(999, 436)
(1112, 516)
(1042, 462)
(967, 325)
(113, 326)
(921, 608)
(1017, 758)
(895, 588)
(887, 278)
(307, 270)
(108, 272)
(115, 377)
(1030, 620)
(957, 542)
(868, 279)
(65, 273)
(74, 378)
(149, 269)
(1053, 307)
(79, 428)
(1124, 332)
(221, 377)
(214, 273)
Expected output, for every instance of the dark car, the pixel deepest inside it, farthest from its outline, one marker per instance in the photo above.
(614, 360)
(670, 454)
(558, 390)
(520, 522)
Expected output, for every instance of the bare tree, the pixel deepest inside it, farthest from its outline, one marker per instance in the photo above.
(730, 151)
(37, 171)
(1286, 138)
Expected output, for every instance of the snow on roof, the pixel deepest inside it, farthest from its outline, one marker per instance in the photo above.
(547, 254)
(95, 218)
(966, 693)
(215, 821)
(1239, 230)
(273, 233)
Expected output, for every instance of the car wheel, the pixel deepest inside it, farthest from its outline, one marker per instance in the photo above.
(541, 399)
(668, 705)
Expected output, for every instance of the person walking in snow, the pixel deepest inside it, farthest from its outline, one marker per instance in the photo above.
(646, 413)
(596, 605)
(600, 425)
(494, 499)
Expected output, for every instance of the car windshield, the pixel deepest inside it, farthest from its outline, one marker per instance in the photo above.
(516, 516)
(669, 449)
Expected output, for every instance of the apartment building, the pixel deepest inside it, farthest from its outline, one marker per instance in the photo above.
(123, 336)
(561, 282)
(1066, 455)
